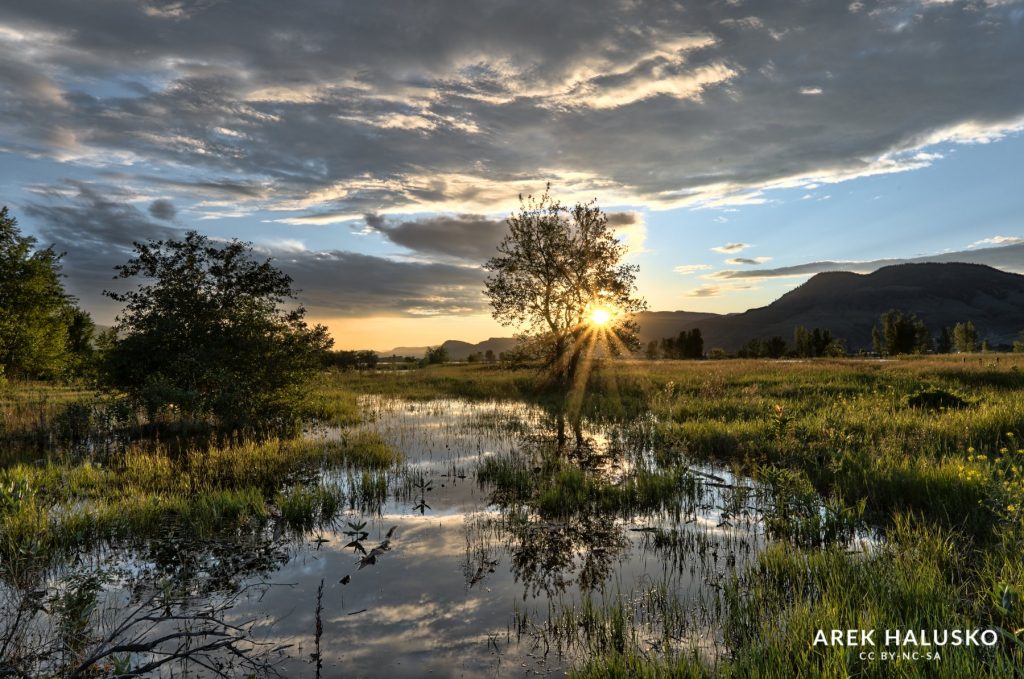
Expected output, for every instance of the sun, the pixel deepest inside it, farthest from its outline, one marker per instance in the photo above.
(600, 316)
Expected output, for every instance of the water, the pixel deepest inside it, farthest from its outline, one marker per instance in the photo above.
(466, 588)
(463, 586)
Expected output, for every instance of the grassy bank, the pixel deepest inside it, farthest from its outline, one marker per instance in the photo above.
(924, 449)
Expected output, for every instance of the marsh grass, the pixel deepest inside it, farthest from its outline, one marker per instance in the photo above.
(53, 509)
(557, 487)
(923, 451)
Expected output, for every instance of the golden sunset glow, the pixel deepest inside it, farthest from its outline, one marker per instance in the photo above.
(600, 316)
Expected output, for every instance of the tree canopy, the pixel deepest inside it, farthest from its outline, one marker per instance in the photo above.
(35, 312)
(208, 332)
(560, 277)
(900, 332)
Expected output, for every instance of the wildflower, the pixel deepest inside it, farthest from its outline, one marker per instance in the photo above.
(971, 450)
(1011, 508)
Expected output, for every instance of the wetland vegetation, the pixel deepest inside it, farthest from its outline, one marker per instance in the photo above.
(706, 520)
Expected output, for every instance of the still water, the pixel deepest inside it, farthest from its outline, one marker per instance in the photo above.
(466, 587)
(436, 574)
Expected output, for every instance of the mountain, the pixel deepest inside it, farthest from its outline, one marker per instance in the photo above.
(457, 350)
(415, 352)
(849, 304)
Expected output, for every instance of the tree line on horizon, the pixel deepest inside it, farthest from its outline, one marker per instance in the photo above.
(897, 333)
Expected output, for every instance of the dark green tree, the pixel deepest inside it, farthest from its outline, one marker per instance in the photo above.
(651, 352)
(944, 342)
(211, 333)
(811, 343)
(35, 312)
(900, 332)
(690, 344)
(775, 347)
(436, 355)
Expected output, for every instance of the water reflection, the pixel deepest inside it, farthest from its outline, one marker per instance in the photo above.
(430, 570)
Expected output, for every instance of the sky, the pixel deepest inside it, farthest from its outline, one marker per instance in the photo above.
(375, 149)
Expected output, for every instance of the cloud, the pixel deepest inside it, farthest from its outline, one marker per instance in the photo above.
(731, 247)
(747, 260)
(687, 269)
(468, 237)
(163, 209)
(1007, 257)
(96, 229)
(456, 108)
(997, 240)
(475, 238)
(715, 290)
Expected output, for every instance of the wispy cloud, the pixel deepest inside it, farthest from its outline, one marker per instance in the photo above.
(996, 240)
(731, 247)
(715, 290)
(687, 269)
(747, 260)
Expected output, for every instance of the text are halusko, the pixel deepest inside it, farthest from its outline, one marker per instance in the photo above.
(908, 637)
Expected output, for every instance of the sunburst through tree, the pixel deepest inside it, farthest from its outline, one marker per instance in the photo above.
(560, 278)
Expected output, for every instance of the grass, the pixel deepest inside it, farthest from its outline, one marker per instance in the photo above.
(925, 450)
(556, 487)
(53, 509)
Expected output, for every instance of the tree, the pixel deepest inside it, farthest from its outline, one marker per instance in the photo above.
(965, 337)
(811, 343)
(900, 332)
(35, 312)
(944, 343)
(775, 347)
(560, 277)
(651, 352)
(690, 344)
(436, 354)
(206, 334)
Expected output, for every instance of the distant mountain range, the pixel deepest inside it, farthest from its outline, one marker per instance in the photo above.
(848, 304)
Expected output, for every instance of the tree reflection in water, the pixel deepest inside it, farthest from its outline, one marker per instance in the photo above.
(547, 555)
(134, 608)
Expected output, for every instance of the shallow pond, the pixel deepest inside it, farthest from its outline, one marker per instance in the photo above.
(432, 572)
(467, 588)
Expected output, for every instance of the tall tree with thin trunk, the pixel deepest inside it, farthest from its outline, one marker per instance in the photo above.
(561, 278)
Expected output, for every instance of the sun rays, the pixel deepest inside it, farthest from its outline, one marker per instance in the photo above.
(600, 316)
(595, 337)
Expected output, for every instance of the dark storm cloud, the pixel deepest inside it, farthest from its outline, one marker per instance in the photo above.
(352, 284)
(346, 107)
(162, 209)
(96, 232)
(470, 238)
(1007, 257)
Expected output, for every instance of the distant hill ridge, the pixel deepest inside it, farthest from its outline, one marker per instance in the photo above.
(848, 304)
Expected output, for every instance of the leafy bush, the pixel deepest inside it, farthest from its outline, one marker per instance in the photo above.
(207, 337)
